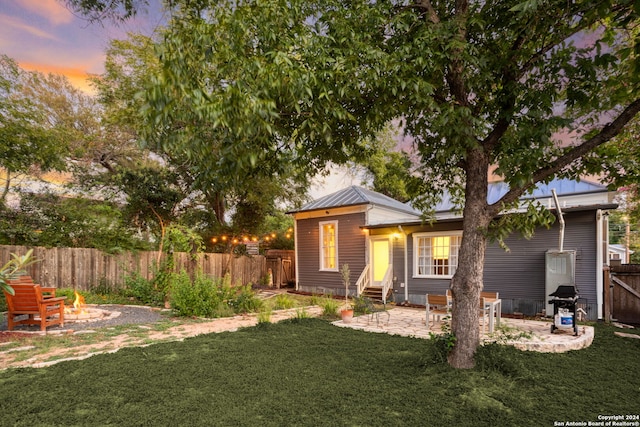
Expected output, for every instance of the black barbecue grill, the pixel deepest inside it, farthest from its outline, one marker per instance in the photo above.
(565, 297)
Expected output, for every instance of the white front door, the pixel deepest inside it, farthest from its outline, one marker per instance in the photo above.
(380, 259)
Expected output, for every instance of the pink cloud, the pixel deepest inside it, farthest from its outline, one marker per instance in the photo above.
(18, 24)
(51, 10)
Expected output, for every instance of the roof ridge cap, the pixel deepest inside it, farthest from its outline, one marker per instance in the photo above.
(360, 193)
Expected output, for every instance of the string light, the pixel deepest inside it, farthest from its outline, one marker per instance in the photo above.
(244, 239)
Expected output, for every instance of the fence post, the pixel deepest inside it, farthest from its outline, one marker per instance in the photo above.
(606, 273)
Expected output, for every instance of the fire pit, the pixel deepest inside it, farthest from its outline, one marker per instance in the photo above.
(81, 312)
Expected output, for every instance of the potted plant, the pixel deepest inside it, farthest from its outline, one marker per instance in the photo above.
(347, 310)
(14, 268)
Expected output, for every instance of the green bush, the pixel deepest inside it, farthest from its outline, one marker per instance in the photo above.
(245, 300)
(143, 290)
(329, 307)
(198, 298)
(283, 302)
(264, 317)
(361, 305)
(206, 297)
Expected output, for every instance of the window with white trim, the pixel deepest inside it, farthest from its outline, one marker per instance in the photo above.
(436, 254)
(329, 245)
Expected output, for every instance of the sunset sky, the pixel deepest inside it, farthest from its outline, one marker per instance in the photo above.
(44, 35)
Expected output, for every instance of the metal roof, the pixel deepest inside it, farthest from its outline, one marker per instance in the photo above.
(563, 187)
(353, 196)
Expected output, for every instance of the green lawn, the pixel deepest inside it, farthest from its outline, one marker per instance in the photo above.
(308, 372)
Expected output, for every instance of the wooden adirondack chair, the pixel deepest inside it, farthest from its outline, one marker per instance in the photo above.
(47, 292)
(30, 301)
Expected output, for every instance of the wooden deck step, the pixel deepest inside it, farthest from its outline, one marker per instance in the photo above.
(374, 294)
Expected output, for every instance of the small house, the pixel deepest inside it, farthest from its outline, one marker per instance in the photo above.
(394, 255)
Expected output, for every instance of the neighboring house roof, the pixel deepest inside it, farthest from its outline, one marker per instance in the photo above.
(564, 187)
(618, 249)
(353, 196)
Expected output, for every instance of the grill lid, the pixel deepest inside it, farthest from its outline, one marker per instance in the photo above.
(565, 291)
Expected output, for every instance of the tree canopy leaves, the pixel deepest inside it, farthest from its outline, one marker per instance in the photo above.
(523, 89)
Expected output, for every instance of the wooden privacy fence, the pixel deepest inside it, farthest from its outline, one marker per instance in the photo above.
(82, 268)
(624, 297)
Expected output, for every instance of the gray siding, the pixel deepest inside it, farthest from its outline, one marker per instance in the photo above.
(398, 269)
(351, 250)
(519, 274)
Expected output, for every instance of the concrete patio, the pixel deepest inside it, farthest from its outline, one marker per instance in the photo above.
(410, 322)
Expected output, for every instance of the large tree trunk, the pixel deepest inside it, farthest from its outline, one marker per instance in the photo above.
(467, 281)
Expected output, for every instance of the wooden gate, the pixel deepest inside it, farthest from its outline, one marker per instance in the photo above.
(281, 263)
(625, 298)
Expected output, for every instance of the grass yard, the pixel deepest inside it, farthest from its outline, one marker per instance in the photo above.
(310, 373)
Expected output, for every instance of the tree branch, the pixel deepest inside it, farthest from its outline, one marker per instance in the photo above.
(608, 132)
(427, 7)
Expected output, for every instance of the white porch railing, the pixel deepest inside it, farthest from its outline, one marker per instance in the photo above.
(363, 281)
(387, 283)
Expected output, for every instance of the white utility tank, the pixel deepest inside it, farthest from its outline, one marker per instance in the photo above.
(560, 269)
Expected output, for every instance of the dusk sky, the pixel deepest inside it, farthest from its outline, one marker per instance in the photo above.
(44, 35)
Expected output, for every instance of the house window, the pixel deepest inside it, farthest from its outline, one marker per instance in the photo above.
(436, 254)
(329, 245)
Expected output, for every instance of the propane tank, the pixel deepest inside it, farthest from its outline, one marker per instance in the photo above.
(564, 319)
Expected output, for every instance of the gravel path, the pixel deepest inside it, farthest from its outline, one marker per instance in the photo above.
(129, 314)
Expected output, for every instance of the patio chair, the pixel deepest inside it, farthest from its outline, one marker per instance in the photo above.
(437, 306)
(28, 300)
(373, 311)
(47, 292)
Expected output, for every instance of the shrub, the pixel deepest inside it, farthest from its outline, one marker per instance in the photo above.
(199, 298)
(206, 297)
(284, 301)
(143, 290)
(264, 317)
(103, 287)
(329, 307)
(361, 305)
(246, 301)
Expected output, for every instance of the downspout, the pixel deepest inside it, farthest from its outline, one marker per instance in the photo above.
(602, 241)
(406, 265)
(560, 219)
(295, 239)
